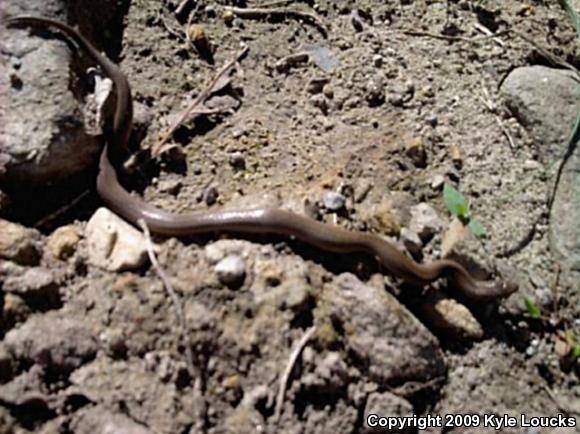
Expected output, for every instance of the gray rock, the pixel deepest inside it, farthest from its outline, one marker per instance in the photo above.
(210, 195)
(41, 132)
(231, 270)
(544, 100)
(391, 344)
(564, 218)
(333, 201)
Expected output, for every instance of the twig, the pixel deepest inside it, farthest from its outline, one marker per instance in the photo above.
(171, 31)
(193, 372)
(63, 209)
(486, 100)
(199, 100)
(255, 13)
(276, 3)
(481, 28)
(291, 362)
(451, 38)
(182, 7)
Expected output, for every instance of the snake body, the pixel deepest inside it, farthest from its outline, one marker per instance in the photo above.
(260, 220)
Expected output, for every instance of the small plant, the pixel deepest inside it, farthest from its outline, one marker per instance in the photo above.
(533, 309)
(459, 207)
(572, 343)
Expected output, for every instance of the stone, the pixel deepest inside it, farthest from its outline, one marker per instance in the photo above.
(231, 270)
(62, 243)
(333, 201)
(114, 244)
(437, 182)
(451, 316)
(544, 101)
(380, 333)
(42, 146)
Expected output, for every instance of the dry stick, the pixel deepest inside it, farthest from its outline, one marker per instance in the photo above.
(486, 100)
(452, 38)
(481, 28)
(275, 3)
(63, 209)
(182, 6)
(291, 362)
(194, 373)
(199, 100)
(253, 13)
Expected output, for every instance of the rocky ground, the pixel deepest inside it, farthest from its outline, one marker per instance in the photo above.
(354, 113)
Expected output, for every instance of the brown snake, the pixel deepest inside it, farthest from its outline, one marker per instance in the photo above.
(260, 220)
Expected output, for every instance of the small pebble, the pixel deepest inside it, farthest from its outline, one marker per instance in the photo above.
(356, 23)
(238, 161)
(210, 195)
(170, 186)
(533, 347)
(231, 270)
(62, 243)
(395, 99)
(433, 120)
(437, 182)
(378, 60)
(328, 91)
(333, 201)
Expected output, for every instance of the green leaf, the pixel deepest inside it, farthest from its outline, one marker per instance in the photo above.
(477, 228)
(533, 309)
(576, 351)
(456, 203)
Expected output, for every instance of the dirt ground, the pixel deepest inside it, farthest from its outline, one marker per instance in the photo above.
(409, 98)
